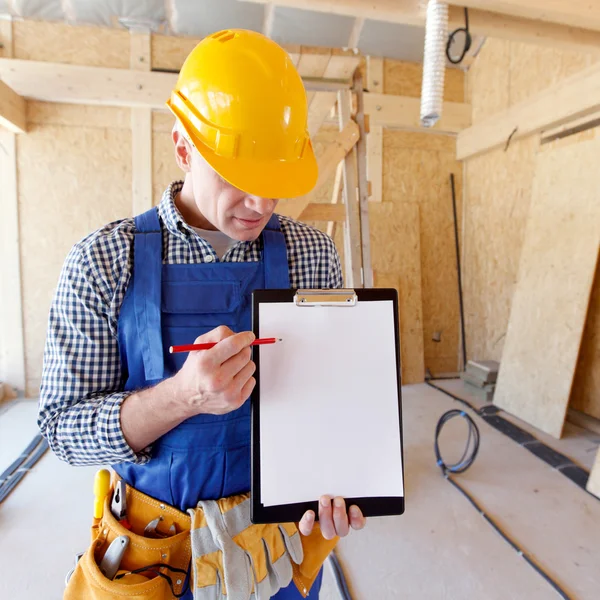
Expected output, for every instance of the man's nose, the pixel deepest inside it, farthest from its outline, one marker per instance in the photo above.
(260, 205)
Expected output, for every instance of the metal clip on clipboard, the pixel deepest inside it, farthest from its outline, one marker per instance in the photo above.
(338, 297)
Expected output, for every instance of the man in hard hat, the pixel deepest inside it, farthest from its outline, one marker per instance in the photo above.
(177, 428)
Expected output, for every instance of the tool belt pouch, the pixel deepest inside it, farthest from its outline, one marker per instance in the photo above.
(315, 549)
(146, 557)
(236, 560)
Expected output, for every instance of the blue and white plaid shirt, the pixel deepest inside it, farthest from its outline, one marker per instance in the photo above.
(82, 383)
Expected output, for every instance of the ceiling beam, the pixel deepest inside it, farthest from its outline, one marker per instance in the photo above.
(577, 13)
(268, 19)
(13, 113)
(357, 28)
(482, 22)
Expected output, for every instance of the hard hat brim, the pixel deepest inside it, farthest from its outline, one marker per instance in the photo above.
(267, 179)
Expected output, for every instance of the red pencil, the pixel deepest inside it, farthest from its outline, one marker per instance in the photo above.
(209, 345)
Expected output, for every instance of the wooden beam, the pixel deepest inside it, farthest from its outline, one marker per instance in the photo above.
(77, 84)
(402, 112)
(6, 38)
(336, 196)
(352, 242)
(482, 21)
(12, 343)
(141, 130)
(357, 28)
(334, 153)
(13, 110)
(375, 75)
(375, 163)
(338, 67)
(323, 211)
(571, 98)
(363, 187)
(489, 24)
(268, 19)
(577, 13)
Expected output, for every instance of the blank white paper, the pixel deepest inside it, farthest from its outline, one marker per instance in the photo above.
(329, 409)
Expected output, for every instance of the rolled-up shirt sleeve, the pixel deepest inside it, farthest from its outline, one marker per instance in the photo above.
(82, 385)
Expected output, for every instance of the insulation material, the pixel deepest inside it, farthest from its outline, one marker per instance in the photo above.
(405, 79)
(59, 42)
(550, 302)
(402, 224)
(585, 395)
(421, 175)
(72, 181)
(393, 40)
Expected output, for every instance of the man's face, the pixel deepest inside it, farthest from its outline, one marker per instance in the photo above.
(239, 215)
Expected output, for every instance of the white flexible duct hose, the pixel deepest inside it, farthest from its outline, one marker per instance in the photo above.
(434, 62)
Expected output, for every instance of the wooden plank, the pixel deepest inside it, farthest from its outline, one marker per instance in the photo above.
(403, 112)
(578, 13)
(571, 98)
(12, 355)
(312, 65)
(320, 211)
(357, 28)
(76, 84)
(13, 112)
(335, 152)
(352, 241)
(375, 82)
(141, 130)
(550, 303)
(363, 187)
(336, 196)
(268, 19)
(6, 38)
(482, 21)
(593, 484)
(375, 163)
(338, 67)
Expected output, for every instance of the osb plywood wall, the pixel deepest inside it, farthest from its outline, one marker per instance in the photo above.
(75, 175)
(497, 198)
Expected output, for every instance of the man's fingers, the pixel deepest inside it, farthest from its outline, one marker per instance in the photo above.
(231, 346)
(357, 521)
(231, 367)
(307, 523)
(326, 518)
(242, 378)
(340, 518)
(215, 335)
(247, 389)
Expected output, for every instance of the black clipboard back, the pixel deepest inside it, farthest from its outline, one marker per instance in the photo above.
(343, 298)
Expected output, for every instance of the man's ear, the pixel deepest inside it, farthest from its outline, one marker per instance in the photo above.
(183, 151)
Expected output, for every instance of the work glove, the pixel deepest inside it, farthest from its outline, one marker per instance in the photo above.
(236, 560)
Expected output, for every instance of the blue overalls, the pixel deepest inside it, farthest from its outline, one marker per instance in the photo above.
(208, 456)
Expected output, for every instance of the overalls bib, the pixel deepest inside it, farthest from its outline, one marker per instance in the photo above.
(206, 457)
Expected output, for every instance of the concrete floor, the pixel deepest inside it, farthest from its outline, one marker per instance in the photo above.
(441, 548)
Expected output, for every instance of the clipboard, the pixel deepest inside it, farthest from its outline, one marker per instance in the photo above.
(326, 408)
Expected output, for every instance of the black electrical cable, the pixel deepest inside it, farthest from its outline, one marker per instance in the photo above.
(462, 465)
(13, 475)
(452, 39)
(459, 272)
(338, 575)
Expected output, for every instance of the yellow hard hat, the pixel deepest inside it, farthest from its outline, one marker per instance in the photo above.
(243, 105)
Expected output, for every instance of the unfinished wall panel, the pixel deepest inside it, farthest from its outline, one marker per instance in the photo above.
(63, 43)
(497, 198)
(71, 181)
(585, 395)
(169, 52)
(78, 115)
(399, 266)
(416, 169)
(556, 273)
